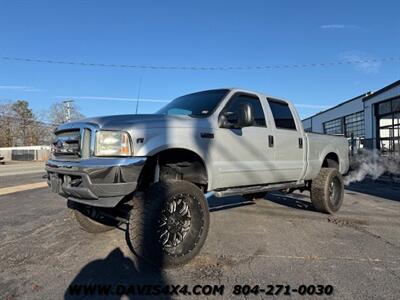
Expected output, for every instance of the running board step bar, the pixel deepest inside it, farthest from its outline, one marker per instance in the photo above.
(257, 189)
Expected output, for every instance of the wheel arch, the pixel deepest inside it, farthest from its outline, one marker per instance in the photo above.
(176, 159)
(331, 160)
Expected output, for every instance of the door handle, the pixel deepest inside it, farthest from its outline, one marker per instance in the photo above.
(270, 141)
(301, 143)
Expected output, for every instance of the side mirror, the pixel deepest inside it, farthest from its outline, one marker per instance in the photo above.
(245, 115)
(242, 117)
(227, 119)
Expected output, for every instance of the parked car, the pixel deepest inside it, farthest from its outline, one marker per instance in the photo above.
(225, 141)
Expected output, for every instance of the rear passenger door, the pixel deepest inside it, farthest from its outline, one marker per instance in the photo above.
(288, 142)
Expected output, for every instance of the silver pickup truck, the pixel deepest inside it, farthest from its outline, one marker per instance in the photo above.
(152, 171)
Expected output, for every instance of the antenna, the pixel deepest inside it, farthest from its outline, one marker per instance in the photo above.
(138, 96)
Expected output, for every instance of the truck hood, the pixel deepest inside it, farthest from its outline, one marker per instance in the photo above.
(126, 122)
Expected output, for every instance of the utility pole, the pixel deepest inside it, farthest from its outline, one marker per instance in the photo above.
(138, 96)
(67, 109)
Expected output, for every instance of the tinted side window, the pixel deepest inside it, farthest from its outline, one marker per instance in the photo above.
(238, 100)
(282, 115)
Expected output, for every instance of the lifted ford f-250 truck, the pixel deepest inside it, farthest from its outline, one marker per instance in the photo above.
(159, 166)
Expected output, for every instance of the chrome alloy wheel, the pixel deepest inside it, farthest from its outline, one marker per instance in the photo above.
(334, 192)
(175, 221)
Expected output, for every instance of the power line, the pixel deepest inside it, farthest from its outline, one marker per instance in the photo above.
(205, 68)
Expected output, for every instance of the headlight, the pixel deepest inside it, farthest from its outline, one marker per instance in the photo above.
(112, 143)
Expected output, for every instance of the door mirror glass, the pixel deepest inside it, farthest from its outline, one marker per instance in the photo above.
(245, 115)
(242, 117)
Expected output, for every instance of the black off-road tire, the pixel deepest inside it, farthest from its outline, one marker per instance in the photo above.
(89, 224)
(327, 191)
(164, 209)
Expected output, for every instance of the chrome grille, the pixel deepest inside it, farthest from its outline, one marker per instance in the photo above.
(67, 145)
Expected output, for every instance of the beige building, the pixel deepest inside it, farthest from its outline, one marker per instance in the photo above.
(39, 153)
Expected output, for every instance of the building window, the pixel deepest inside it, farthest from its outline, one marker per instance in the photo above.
(350, 125)
(334, 126)
(388, 107)
(354, 125)
(396, 105)
(308, 129)
(388, 120)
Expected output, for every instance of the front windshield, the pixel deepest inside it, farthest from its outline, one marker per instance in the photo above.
(195, 105)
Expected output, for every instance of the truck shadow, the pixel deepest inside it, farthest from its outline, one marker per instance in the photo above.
(290, 201)
(217, 204)
(114, 277)
(117, 276)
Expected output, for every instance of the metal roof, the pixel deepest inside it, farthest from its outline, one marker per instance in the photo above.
(340, 104)
(382, 90)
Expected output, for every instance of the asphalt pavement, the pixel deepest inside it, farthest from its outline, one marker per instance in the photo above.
(16, 173)
(278, 240)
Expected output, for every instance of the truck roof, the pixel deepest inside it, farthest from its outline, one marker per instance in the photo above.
(236, 89)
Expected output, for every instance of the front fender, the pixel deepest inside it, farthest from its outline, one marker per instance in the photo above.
(158, 143)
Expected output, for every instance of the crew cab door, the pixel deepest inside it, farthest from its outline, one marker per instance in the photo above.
(242, 156)
(289, 142)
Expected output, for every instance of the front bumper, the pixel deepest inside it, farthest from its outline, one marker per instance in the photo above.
(95, 181)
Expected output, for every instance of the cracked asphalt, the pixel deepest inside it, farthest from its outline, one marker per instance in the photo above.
(277, 240)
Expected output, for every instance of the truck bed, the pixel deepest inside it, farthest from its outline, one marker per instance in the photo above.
(319, 145)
